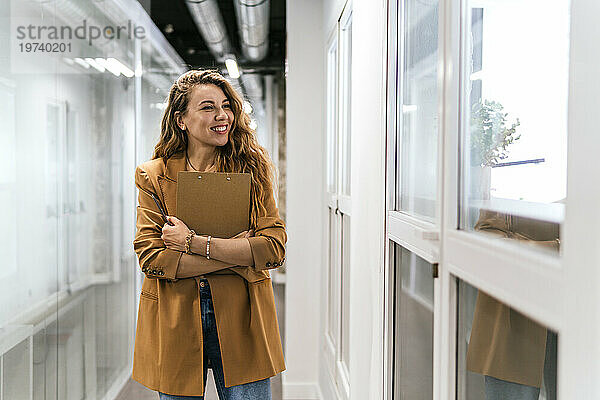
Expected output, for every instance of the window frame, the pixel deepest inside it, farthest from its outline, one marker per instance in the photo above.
(540, 285)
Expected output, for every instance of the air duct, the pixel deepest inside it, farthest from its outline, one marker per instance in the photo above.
(253, 23)
(254, 86)
(209, 21)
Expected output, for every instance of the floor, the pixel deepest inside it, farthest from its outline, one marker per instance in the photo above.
(135, 391)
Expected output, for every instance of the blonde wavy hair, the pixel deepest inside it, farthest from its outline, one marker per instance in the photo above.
(241, 153)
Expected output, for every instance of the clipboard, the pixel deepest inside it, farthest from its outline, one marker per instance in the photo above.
(214, 203)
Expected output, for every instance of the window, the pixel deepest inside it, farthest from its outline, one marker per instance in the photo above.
(502, 352)
(514, 119)
(413, 326)
(486, 202)
(417, 108)
(413, 219)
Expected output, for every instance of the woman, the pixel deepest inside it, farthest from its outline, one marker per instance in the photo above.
(197, 311)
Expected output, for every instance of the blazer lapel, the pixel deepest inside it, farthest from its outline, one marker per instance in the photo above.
(168, 182)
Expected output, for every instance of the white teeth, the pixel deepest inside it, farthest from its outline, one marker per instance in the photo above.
(219, 128)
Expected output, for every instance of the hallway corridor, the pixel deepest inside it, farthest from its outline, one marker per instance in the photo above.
(409, 187)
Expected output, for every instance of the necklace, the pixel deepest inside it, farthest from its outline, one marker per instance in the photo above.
(194, 168)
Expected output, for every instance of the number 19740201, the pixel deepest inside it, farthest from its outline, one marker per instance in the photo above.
(42, 47)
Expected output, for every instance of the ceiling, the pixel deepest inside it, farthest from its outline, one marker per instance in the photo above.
(187, 41)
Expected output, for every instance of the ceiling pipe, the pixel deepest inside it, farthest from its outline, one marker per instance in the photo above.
(253, 85)
(253, 23)
(209, 21)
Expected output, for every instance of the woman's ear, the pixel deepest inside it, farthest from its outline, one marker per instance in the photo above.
(179, 120)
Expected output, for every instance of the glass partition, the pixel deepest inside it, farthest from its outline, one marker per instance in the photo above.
(514, 118)
(66, 187)
(413, 326)
(502, 354)
(157, 79)
(417, 109)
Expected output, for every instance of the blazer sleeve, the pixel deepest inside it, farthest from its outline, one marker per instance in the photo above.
(270, 237)
(155, 259)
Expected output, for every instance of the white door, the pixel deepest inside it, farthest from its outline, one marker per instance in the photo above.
(339, 205)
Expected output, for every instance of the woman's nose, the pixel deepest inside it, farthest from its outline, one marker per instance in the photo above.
(221, 114)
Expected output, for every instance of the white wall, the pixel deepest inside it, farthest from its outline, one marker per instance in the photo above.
(304, 212)
(309, 26)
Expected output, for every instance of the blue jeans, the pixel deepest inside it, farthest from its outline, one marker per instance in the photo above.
(259, 390)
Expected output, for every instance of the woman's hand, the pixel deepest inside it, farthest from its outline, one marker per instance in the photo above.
(174, 236)
(244, 234)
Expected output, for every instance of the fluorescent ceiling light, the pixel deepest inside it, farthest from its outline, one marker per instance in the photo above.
(82, 62)
(94, 64)
(232, 68)
(120, 67)
(108, 66)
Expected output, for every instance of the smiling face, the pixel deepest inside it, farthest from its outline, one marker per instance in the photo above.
(209, 116)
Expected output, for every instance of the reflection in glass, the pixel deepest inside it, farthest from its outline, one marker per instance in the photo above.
(413, 326)
(514, 117)
(8, 195)
(502, 354)
(417, 109)
(66, 186)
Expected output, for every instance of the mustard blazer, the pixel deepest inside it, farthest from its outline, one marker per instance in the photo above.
(168, 351)
(504, 343)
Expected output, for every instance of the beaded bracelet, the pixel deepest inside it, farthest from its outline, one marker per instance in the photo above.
(208, 247)
(188, 241)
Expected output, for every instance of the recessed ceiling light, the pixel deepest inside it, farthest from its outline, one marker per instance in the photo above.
(191, 51)
(169, 28)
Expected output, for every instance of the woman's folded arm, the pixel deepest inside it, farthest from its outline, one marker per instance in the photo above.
(155, 259)
(248, 257)
(268, 243)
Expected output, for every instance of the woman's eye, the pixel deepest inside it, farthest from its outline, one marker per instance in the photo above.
(226, 105)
